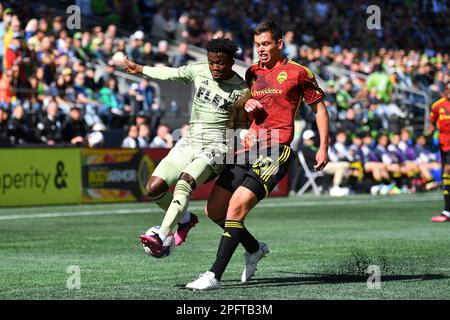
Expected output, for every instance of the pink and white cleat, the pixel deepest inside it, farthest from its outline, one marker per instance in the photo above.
(441, 218)
(184, 228)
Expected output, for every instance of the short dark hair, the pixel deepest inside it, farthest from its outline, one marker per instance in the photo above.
(223, 45)
(269, 26)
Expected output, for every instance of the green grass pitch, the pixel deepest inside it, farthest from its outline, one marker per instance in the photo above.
(320, 248)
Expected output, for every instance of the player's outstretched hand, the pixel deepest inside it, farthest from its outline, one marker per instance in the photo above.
(321, 159)
(132, 67)
(252, 105)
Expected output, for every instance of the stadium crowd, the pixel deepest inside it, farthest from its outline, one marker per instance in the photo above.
(51, 92)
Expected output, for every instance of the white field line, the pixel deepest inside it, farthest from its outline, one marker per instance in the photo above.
(265, 204)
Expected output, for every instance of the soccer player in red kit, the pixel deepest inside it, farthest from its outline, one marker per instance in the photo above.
(278, 87)
(440, 115)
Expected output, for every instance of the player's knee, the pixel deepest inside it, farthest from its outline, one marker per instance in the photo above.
(214, 212)
(189, 179)
(237, 210)
(155, 187)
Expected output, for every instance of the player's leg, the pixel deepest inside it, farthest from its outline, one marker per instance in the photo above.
(158, 190)
(166, 174)
(217, 205)
(445, 215)
(240, 204)
(216, 209)
(242, 201)
(195, 174)
(230, 178)
(260, 180)
(446, 182)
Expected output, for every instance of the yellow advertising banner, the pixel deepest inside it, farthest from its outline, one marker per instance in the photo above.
(39, 176)
(114, 175)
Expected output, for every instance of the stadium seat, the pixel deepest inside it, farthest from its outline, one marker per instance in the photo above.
(311, 177)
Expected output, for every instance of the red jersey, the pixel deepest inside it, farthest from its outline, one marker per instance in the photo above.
(280, 90)
(440, 113)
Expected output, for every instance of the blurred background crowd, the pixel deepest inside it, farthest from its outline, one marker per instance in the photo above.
(61, 87)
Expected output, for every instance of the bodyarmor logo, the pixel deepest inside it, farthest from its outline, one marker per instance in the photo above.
(282, 77)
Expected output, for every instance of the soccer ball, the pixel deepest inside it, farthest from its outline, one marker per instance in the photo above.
(168, 243)
(119, 58)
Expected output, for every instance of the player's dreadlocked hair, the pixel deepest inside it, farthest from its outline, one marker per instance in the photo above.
(269, 26)
(223, 45)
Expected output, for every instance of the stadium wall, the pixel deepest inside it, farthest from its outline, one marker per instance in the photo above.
(72, 176)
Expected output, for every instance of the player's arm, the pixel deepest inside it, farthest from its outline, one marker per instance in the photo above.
(313, 96)
(242, 100)
(159, 73)
(241, 119)
(322, 121)
(251, 104)
(433, 118)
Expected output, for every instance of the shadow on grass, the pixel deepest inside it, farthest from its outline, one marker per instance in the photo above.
(324, 278)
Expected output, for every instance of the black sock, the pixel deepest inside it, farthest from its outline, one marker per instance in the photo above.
(446, 182)
(230, 240)
(248, 241)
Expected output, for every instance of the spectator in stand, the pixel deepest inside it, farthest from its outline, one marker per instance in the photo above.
(134, 48)
(380, 80)
(49, 128)
(390, 160)
(57, 26)
(410, 168)
(163, 24)
(107, 73)
(14, 52)
(4, 140)
(349, 123)
(161, 57)
(75, 128)
(372, 165)
(4, 27)
(181, 33)
(147, 55)
(149, 94)
(108, 98)
(339, 164)
(6, 89)
(406, 145)
(182, 57)
(344, 97)
(144, 136)
(163, 138)
(131, 140)
(290, 47)
(184, 133)
(20, 131)
(134, 100)
(426, 157)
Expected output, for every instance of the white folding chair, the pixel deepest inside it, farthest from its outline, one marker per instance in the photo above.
(311, 177)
